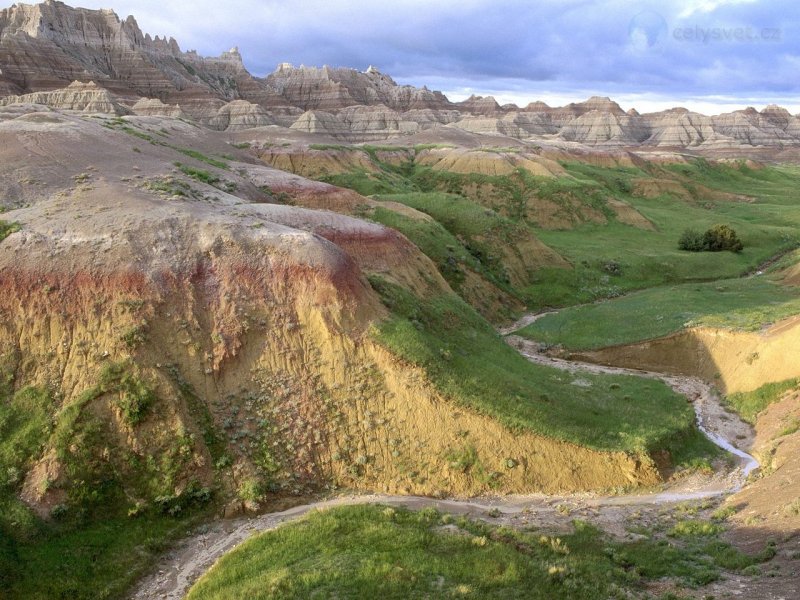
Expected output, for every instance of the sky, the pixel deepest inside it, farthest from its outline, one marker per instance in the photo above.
(706, 55)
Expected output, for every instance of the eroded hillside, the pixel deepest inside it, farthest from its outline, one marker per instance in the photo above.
(220, 294)
(177, 336)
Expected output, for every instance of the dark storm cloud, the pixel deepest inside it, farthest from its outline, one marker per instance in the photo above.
(700, 47)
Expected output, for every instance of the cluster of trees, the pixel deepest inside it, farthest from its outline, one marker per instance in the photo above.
(715, 239)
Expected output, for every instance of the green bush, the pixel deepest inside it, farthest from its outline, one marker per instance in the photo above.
(691, 241)
(722, 237)
(174, 504)
(715, 239)
(135, 396)
(6, 229)
(250, 490)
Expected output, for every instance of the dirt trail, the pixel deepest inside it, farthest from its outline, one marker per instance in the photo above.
(181, 567)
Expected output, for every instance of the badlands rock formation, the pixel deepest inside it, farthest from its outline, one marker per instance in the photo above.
(46, 47)
(331, 89)
(77, 96)
(246, 321)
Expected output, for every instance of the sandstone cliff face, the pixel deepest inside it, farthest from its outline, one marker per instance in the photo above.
(480, 105)
(596, 127)
(153, 107)
(81, 97)
(329, 89)
(45, 46)
(680, 127)
(238, 115)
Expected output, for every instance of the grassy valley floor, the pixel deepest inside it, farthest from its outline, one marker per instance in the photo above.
(745, 304)
(378, 551)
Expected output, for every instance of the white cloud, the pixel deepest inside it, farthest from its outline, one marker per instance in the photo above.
(708, 6)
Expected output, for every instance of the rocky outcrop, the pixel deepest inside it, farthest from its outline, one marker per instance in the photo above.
(317, 121)
(238, 115)
(487, 162)
(492, 125)
(82, 97)
(480, 105)
(681, 128)
(605, 127)
(328, 89)
(153, 107)
(755, 129)
(45, 46)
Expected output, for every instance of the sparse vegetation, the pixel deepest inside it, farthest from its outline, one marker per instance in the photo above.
(250, 490)
(6, 229)
(135, 398)
(793, 426)
(139, 134)
(214, 162)
(277, 198)
(749, 404)
(694, 528)
(168, 186)
(722, 514)
(199, 174)
(25, 423)
(134, 337)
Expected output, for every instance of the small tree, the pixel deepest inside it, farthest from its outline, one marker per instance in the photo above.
(722, 237)
(692, 241)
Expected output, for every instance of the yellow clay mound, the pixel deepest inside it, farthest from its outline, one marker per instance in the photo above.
(487, 162)
(737, 361)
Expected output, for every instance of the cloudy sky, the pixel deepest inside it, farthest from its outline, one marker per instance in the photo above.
(697, 53)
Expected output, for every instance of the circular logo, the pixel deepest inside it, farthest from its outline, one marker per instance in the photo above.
(647, 31)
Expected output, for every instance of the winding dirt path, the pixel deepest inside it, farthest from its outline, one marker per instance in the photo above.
(181, 567)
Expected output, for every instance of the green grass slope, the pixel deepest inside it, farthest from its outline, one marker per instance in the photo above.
(746, 304)
(381, 552)
(469, 362)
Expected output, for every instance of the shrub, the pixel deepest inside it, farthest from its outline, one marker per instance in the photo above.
(691, 241)
(692, 529)
(722, 237)
(250, 490)
(133, 337)
(715, 239)
(6, 229)
(135, 398)
(193, 495)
